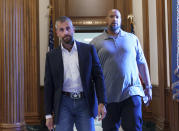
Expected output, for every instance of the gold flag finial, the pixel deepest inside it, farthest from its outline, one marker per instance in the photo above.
(130, 17)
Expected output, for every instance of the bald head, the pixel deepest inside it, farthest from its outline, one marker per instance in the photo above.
(114, 10)
(113, 20)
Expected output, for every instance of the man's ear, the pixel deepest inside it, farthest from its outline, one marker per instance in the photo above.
(56, 31)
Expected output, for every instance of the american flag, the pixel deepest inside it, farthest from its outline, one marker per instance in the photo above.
(175, 50)
(51, 38)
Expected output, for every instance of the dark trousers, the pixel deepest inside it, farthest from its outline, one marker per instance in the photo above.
(127, 113)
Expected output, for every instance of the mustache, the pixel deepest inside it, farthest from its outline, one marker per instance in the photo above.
(67, 36)
(68, 39)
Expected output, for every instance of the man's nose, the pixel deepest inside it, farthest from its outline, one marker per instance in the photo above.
(115, 18)
(65, 31)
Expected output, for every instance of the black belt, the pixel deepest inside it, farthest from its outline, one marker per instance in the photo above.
(74, 95)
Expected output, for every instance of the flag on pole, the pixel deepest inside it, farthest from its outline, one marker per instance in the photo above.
(175, 49)
(51, 38)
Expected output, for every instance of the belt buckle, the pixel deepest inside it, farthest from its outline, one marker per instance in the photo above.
(75, 95)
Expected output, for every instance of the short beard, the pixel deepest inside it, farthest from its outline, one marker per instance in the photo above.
(114, 28)
(70, 42)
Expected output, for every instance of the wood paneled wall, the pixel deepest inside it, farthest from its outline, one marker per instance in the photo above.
(11, 65)
(147, 111)
(31, 61)
(162, 102)
(19, 63)
(159, 111)
(145, 12)
(165, 111)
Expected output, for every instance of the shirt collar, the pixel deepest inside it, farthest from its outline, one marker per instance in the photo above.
(108, 36)
(74, 48)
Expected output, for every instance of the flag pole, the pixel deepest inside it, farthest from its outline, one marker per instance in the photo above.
(51, 35)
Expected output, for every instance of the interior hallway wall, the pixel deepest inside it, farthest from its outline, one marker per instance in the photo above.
(138, 21)
(43, 34)
(153, 42)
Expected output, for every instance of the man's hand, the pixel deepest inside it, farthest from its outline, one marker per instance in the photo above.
(148, 94)
(49, 123)
(101, 111)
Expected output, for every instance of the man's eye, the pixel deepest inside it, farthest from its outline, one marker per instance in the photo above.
(68, 28)
(61, 30)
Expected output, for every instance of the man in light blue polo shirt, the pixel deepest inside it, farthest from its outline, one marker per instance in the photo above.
(122, 60)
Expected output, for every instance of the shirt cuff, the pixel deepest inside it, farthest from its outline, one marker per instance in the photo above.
(48, 116)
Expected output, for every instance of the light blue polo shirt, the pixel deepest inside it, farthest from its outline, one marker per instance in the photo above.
(119, 57)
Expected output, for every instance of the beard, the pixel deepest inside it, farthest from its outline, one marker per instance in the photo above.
(114, 28)
(67, 39)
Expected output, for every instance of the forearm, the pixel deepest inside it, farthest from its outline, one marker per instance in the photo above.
(144, 72)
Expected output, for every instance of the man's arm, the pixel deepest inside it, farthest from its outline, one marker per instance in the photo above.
(144, 72)
(48, 94)
(101, 111)
(49, 123)
(98, 77)
(99, 84)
